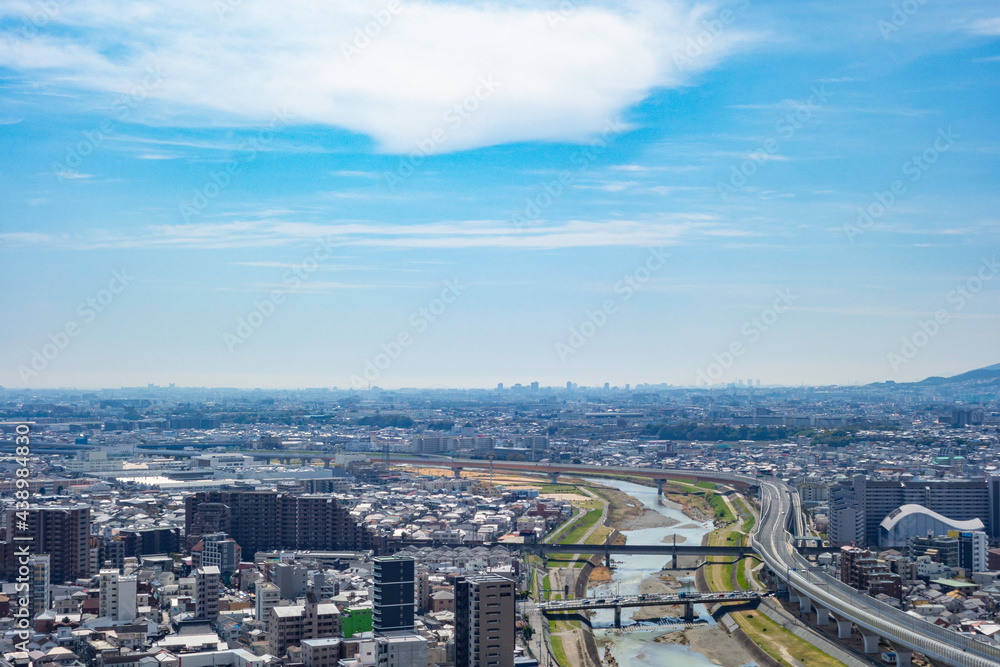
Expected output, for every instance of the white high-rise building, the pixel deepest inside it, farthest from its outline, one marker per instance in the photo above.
(118, 596)
(980, 543)
(268, 595)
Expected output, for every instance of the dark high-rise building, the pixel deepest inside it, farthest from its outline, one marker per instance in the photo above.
(484, 621)
(62, 532)
(137, 543)
(394, 586)
(149, 541)
(266, 520)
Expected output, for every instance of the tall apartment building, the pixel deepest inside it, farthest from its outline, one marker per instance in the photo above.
(218, 550)
(394, 594)
(484, 621)
(266, 520)
(867, 502)
(39, 584)
(289, 625)
(207, 580)
(118, 596)
(860, 569)
(847, 518)
(62, 532)
(268, 595)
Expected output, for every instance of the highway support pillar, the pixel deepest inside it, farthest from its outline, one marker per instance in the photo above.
(871, 641)
(457, 472)
(607, 556)
(822, 616)
(805, 604)
(326, 463)
(553, 477)
(618, 616)
(903, 657)
(793, 596)
(844, 629)
(689, 612)
(659, 486)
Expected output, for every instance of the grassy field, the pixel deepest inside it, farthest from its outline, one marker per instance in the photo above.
(719, 569)
(573, 530)
(720, 508)
(743, 508)
(558, 651)
(583, 525)
(780, 643)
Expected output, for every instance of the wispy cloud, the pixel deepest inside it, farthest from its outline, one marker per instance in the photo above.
(453, 235)
(348, 173)
(69, 175)
(987, 26)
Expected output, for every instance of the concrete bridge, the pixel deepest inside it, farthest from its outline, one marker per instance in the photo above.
(617, 603)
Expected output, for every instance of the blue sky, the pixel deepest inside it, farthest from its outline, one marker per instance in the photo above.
(231, 194)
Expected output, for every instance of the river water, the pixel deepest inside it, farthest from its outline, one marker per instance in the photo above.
(637, 648)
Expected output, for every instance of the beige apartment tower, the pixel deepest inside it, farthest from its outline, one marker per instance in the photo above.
(484, 621)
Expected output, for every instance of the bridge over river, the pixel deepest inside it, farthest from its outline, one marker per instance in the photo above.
(686, 599)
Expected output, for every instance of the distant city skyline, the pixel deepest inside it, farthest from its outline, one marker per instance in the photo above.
(420, 194)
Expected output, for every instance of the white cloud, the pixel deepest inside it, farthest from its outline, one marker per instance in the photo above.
(988, 26)
(560, 71)
(668, 230)
(761, 156)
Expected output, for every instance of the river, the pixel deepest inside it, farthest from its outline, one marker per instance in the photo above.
(637, 648)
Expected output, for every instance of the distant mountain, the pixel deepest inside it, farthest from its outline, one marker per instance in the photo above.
(988, 376)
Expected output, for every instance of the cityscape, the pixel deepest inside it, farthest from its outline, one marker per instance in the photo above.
(526, 525)
(459, 333)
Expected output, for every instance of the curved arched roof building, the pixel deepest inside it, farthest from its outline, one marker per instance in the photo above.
(916, 520)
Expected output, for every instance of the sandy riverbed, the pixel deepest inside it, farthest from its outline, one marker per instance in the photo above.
(649, 519)
(711, 642)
